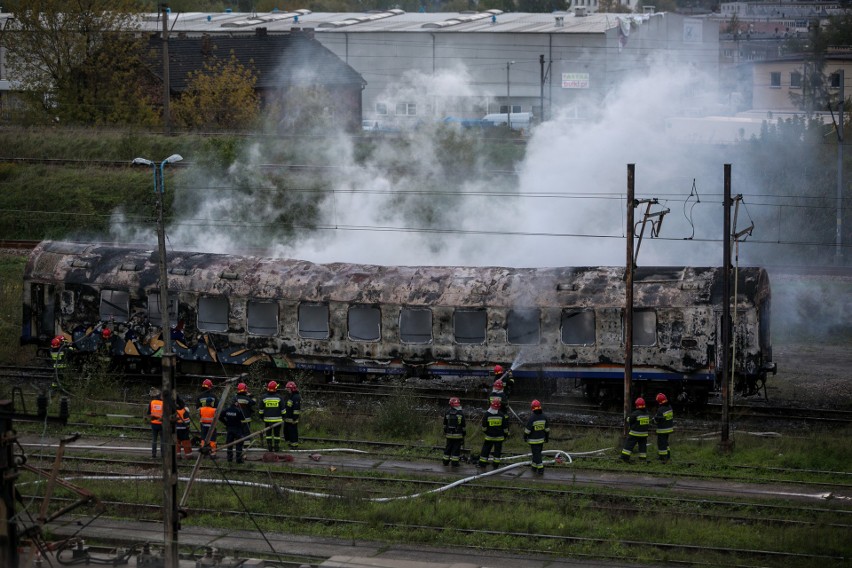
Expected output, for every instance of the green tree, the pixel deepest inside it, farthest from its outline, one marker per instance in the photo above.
(220, 95)
(612, 7)
(78, 62)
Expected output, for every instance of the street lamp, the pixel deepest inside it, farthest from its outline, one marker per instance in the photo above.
(508, 96)
(171, 518)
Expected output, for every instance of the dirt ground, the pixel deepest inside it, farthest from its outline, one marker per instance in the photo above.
(813, 375)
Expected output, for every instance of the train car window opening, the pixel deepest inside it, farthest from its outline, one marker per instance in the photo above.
(155, 312)
(415, 325)
(644, 328)
(313, 321)
(523, 327)
(688, 343)
(365, 323)
(578, 327)
(212, 313)
(469, 326)
(262, 318)
(115, 306)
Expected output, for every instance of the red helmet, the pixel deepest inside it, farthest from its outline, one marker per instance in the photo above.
(661, 399)
(498, 384)
(105, 333)
(242, 387)
(291, 386)
(207, 383)
(272, 386)
(535, 405)
(455, 402)
(495, 402)
(498, 370)
(55, 342)
(640, 402)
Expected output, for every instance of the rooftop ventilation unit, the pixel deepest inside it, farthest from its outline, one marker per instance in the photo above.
(579, 11)
(560, 21)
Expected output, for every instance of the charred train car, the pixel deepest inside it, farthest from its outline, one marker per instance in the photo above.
(357, 320)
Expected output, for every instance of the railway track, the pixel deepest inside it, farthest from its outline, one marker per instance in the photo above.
(738, 508)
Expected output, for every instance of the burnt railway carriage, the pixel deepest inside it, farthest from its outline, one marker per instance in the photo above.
(364, 320)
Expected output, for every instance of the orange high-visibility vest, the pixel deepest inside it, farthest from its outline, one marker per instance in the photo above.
(156, 411)
(208, 413)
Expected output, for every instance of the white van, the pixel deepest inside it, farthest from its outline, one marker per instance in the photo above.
(520, 120)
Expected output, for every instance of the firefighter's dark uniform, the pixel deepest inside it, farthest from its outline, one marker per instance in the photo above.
(271, 409)
(638, 422)
(232, 417)
(206, 398)
(664, 419)
(155, 415)
(292, 412)
(495, 426)
(247, 404)
(207, 415)
(455, 429)
(536, 434)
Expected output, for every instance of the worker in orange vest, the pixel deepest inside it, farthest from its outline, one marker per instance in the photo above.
(155, 417)
(182, 423)
(207, 418)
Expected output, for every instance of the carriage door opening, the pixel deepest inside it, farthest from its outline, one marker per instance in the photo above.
(43, 302)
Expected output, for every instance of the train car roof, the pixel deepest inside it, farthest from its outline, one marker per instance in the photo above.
(137, 269)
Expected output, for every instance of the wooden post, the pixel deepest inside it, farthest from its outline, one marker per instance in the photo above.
(628, 302)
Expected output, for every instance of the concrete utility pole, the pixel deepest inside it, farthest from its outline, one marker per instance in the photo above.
(726, 444)
(508, 96)
(628, 303)
(167, 128)
(838, 249)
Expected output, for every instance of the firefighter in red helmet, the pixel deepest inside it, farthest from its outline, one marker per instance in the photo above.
(271, 409)
(498, 392)
(508, 380)
(495, 428)
(664, 420)
(638, 421)
(292, 412)
(206, 397)
(455, 429)
(247, 404)
(536, 434)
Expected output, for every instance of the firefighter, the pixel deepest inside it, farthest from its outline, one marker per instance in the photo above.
(182, 423)
(498, 393)
(292, 412)
(664, 419)
(638, 422)
(207, 416)
(537, 434)
(155, 417)
(59, 348)
(247, 404)
(206, 397)
(271, 409)
(506, 376)
(455, 429)
(232, 417)
(495, 428)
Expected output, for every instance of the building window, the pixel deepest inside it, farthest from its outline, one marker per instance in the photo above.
(365, 323)
(835, 80)
(515, 108)
(469, 326)
(406, 109)
(313, 321)
(522, 327)
(415, 325)
(115, 306)
(578, 327)
(795, 80)
(155, 311)
(212, 314)
(382, 108)
(775, 80)
(262, 318)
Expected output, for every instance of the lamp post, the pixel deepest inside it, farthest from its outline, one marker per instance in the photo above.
(171, 519)
(508, 96)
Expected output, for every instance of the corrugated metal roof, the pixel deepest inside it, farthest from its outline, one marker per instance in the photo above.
(389, 21)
